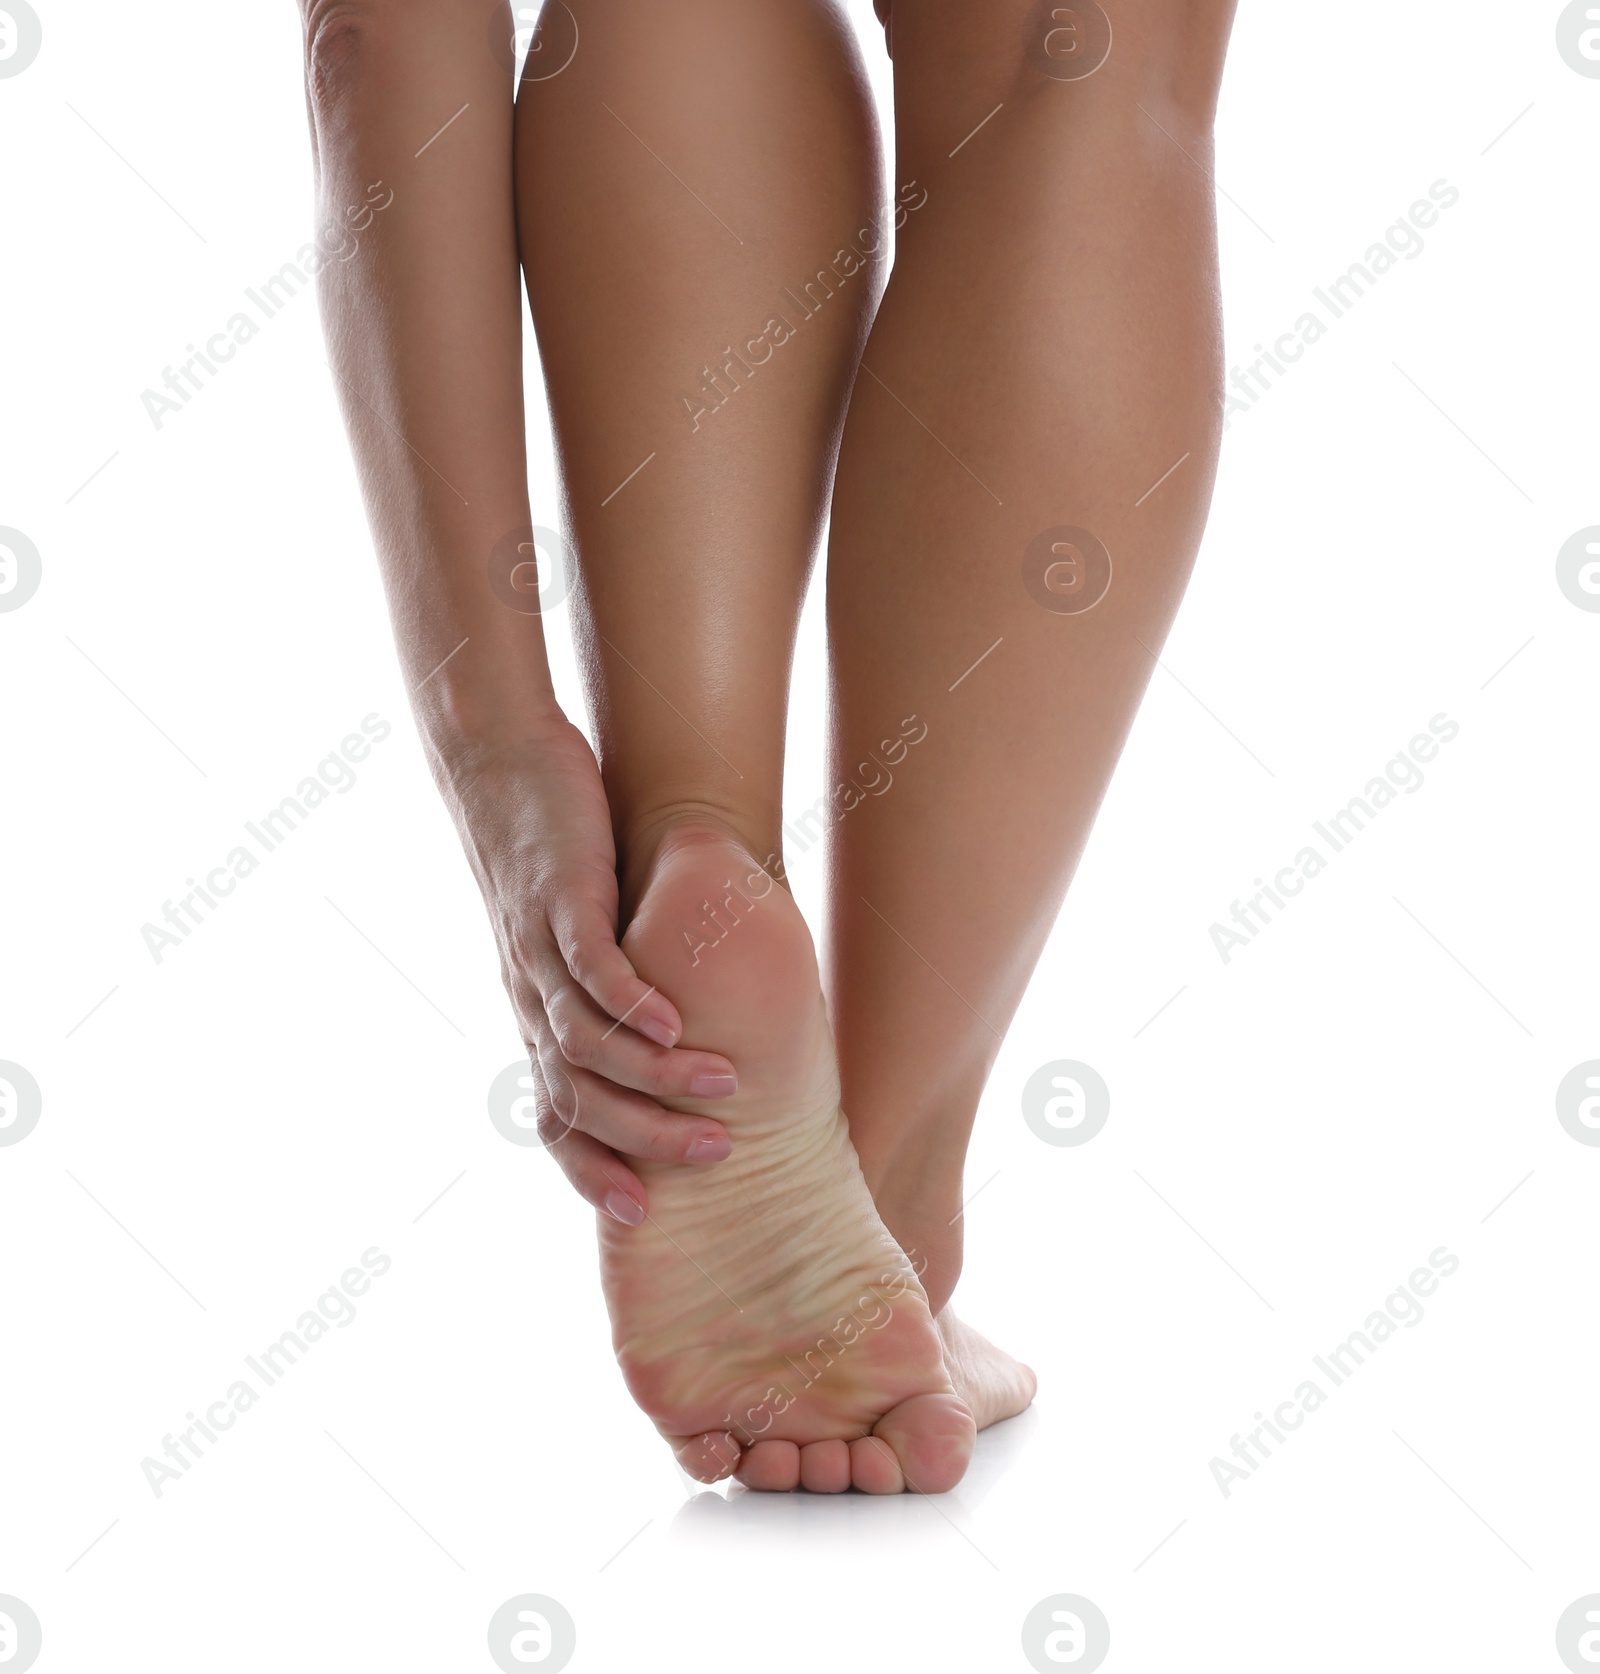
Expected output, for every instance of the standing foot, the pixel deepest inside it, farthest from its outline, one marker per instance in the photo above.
(993, 1384)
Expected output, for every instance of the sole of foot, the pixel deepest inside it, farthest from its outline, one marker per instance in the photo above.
(762, 1316)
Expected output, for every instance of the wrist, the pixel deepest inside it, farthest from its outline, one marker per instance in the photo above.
(465, 759)
(469, 724)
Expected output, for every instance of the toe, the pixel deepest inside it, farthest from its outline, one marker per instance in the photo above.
(708, 1457)
(771, 1465)
(825, 1467)
(874, 1468)
(932, 1437)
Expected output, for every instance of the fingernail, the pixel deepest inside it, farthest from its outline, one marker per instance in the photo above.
(711, 1147)
(652, 1028)
(713, 1084)
(620, 1207)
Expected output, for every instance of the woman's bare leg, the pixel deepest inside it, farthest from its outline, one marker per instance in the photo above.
(1047, 349)
(680, 185)
(411, 124)
(697, 194)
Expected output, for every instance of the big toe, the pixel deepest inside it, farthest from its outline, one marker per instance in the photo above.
(925, 1442)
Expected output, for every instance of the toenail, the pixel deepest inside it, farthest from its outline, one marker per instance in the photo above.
(713, 1084)
(710, 1147)
(623, 1208)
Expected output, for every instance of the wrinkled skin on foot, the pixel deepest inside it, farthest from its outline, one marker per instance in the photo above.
(762, 1315)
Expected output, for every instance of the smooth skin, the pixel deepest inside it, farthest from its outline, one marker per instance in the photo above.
(1048, 347)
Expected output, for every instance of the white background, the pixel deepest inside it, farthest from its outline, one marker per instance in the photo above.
(1364, 1083)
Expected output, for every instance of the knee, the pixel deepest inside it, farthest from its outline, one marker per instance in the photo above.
(340, 36)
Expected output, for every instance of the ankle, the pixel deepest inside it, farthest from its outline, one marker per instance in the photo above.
(929, 1230)
(935, 1257)
(645, 837)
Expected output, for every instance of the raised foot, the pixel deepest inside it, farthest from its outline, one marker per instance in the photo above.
(762, 1315)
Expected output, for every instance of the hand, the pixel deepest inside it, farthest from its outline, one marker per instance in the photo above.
(603, 1043)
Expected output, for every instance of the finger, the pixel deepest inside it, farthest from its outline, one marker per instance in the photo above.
(586, 936)
(630, 1123)
(608, 1112)
(600, 1178)
(590, 1040)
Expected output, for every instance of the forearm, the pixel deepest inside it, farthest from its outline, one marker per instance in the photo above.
(422, 311)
